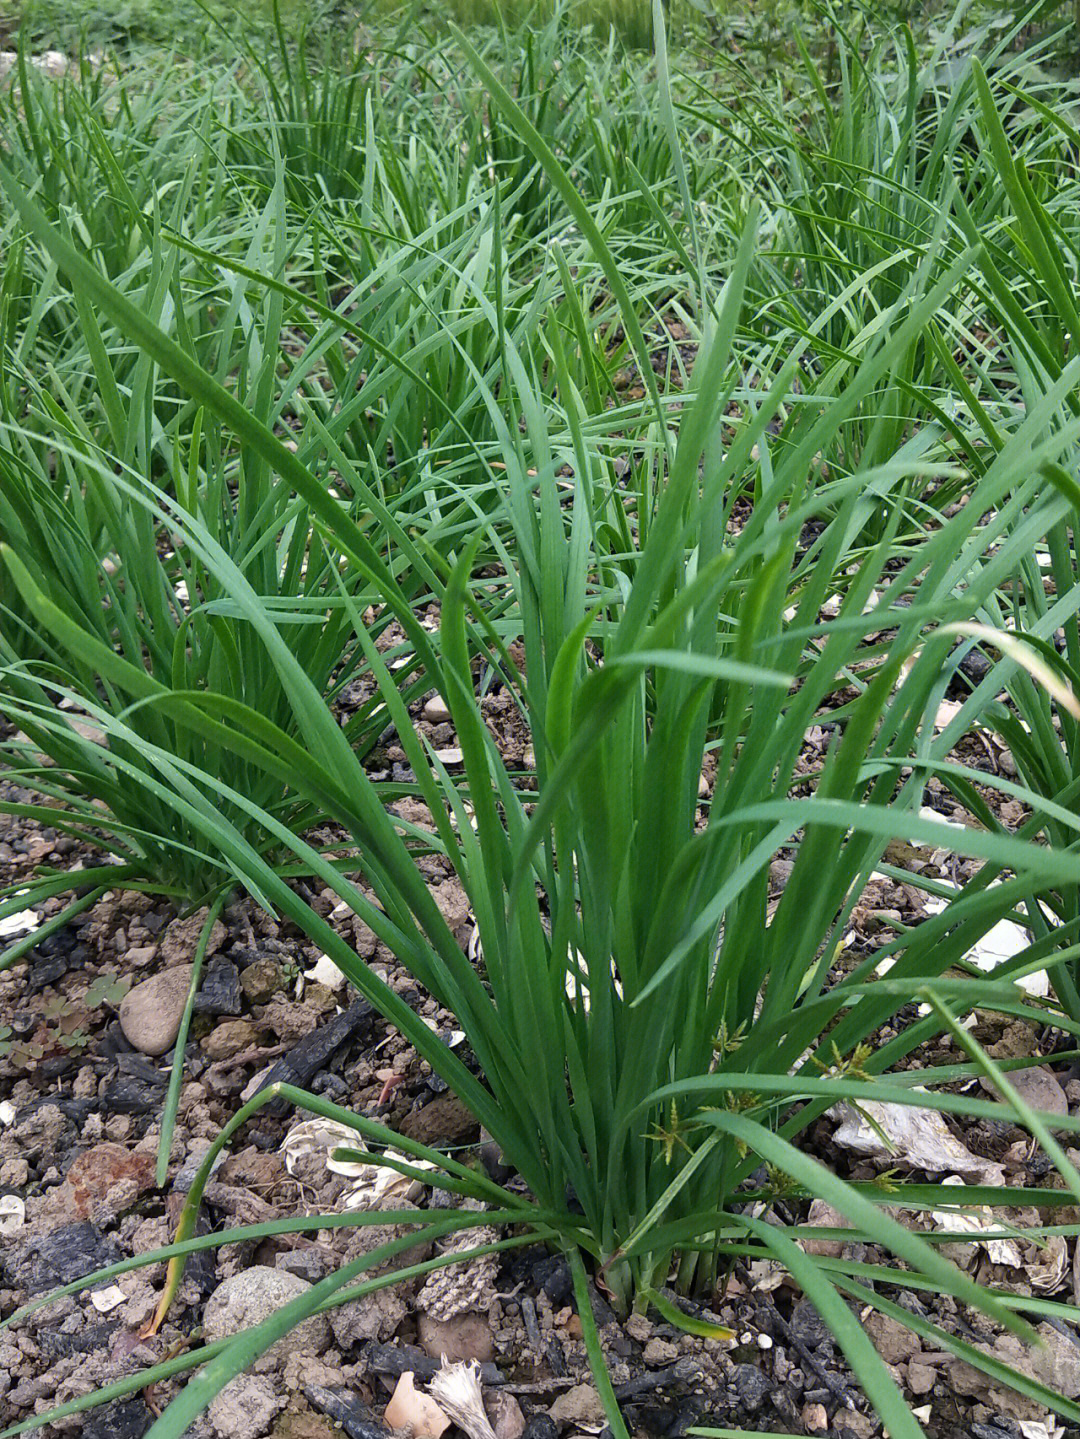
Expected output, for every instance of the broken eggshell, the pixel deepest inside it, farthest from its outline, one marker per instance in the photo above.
(410, 1408)
(376, 1183)
(12, 1214)
(23, 921)
(106, 1300)
(1004, 941)
(1043, 1260)
(974, 1220)
(312, 1136)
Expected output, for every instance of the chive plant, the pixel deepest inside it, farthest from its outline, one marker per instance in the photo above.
(654, 1034)
(389, 387)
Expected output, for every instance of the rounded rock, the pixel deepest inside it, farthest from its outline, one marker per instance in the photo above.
(246, 1299)
(150, 1014)
(229, 1038)
(463, 1337)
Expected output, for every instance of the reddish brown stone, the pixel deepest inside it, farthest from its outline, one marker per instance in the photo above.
(108, 1174)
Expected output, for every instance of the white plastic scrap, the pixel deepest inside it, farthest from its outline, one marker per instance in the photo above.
(325, 971)
(975, 1220)
(23, 921)
(917, 1138)
(1003, 942)
(106, 1300)
(7, 1112)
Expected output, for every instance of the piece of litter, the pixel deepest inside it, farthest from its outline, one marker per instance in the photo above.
(915, 1138)
(937, 819)
(1048, 1271)
(577, 981)
(1040, 1429)
(12, 1214)
(325, 971)
(106, 1300)
(449, 756)
(23, 921)
(947, 711)
(1004, 941)
(972, 1222)
(456, 1390)
(7, 1112)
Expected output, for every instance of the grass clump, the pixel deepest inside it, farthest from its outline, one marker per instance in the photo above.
(378, 419)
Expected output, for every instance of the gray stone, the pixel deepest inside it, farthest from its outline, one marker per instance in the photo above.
(1057, 1363)
(247, 1298)
(660, 1352)
(1039, 1088)
(125, 1419)
(808, 1326)
(313, 1052)
(150, 1013)
(540, 1426)
(229, 1039)
(310, 1262)
(375, 1317)
(437, 711)
(921, 1377)
(246, 1408)
(504, 1414)
(355, 1418)
(752, 1385)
